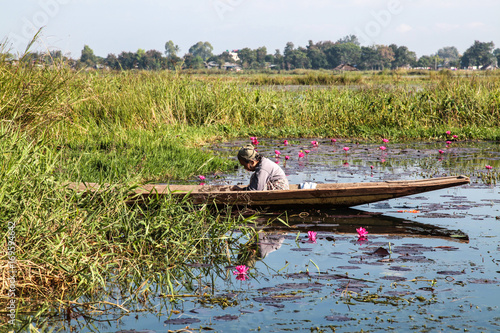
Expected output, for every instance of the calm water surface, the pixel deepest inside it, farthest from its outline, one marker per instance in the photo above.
(430, 262)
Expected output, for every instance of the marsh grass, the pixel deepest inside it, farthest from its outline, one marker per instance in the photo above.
(69, 244)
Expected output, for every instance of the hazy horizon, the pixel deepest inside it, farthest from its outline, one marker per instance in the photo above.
(424, 26)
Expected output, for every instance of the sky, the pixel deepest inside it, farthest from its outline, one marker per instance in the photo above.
(113, 26)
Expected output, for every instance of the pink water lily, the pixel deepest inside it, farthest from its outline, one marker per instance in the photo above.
(201, 177)
(448, 132)
(346, 149)
(285, 142)
(312, 236)
(489, 167)
(441, 151)
(241, 269)
(278, 153)
(314, 143)
(307, 151)
(382, 160)
(287, 157)
(382, 148)
(448, 142)
(301, 154)
(385, 140)
(454, 136)
(362, 232)
(334, 140)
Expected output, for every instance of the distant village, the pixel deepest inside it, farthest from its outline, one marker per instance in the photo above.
(346, 54)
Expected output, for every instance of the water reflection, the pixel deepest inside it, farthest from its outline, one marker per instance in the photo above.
(345, 221)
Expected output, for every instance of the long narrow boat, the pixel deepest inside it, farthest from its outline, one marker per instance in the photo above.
(332, 195)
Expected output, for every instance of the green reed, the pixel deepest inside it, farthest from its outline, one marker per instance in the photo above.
(71, 244)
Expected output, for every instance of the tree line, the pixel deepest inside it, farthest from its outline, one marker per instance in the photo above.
(319, 55)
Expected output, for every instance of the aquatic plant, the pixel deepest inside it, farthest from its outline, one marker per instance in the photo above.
(361, 232)
(312, 236)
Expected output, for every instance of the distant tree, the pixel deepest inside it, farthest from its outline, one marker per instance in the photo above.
(386, 56)
(225, 57)
(247, 57)
(153, 60)
(424, 61)
(343, 53)
(203, 50)
(496, 53)
(479, 54)
(260, 54)
(278, 59)
(193, 62)
(402, 56)
(449, 56)
(88, 58)
(370, 58)
(112, 61)
(171, 49)
(349, 39)
(316, 56)
(295, 58)
(127, 60)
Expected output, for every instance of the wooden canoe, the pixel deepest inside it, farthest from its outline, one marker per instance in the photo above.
(333, 195)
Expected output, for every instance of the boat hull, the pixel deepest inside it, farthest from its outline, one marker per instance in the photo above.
(334, 195)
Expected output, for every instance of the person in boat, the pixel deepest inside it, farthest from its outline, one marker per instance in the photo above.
(267, 175)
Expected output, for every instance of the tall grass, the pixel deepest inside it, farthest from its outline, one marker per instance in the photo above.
(69, 244)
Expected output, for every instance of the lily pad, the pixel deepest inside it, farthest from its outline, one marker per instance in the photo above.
(451, 272)
(226, 317)
(182, 321)
(338, 318)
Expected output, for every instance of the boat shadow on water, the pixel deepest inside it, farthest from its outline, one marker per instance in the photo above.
(345, 221)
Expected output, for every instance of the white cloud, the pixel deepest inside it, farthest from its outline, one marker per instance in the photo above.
(404, 28)
(475, 25)
(447, 27)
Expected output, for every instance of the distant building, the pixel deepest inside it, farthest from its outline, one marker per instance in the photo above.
(234, 55)
(211, 64)
(345, 67)
(229, 66)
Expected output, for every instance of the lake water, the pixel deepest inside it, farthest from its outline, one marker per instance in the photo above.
(430, 262)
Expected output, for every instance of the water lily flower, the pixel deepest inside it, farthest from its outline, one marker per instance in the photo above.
(334, 140)
(287, 157)
(278, 153)
(448, 142)
(307, 151)
(346, 149)
(301, 154)
(253, 138)
(454, 136)
(448, 132)
(371, 167)
(441, 151)
(385, 140)
(201, 177)
(382, 160)
(312, 236)
(241, 270)
(285, 142)
(362, 232)
(314, 143)
(382, 148)
(489, 167)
